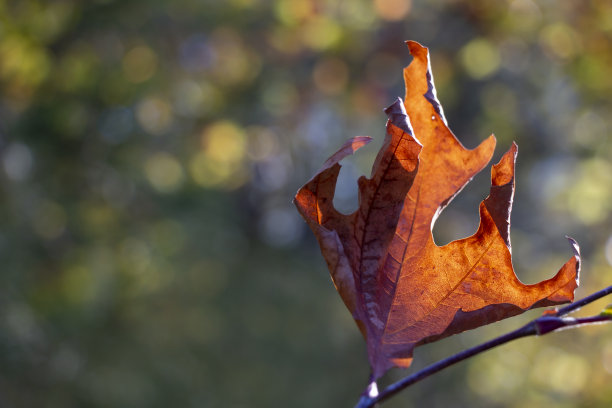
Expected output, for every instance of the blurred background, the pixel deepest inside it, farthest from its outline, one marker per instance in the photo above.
(149, 152)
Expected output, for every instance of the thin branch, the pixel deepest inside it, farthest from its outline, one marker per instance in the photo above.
(572, 307)
(542, 325)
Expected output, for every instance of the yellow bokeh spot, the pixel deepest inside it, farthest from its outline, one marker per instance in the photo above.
(290, 12)
(320, 33)
(23, 66)
(480, 58)
(560, 40)
(392, 10)
(331, 75)
(78, 284)
(211, 174)
(192, 98)
(498, 377)
(154, 115)
(224, 141)
(234, 62)
(220, 163)
(589, 199)
(286, 40)
(565, 373)
(356, 14)
(164, 172)
(22, 60)
(139, 64)
(589, 130)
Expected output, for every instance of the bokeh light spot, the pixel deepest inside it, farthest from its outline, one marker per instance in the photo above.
(220, 163)
(590, 199)
(234, 63)
(589, 130)
(392, 10)
(78, 285)
(564, 372)
(188, 98)
(357, 14)
(496, 379)
(18, 161)
(23, 66)
(139, 64)
(291, 12)
(559, 40)
(164, 172)
(321, 33)
(154, 115)
(224, 141)
(480, 58)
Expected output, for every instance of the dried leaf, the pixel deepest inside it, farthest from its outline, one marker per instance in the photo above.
(402, 289)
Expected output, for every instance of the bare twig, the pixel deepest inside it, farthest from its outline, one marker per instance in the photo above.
(574, 306)
(542, 325)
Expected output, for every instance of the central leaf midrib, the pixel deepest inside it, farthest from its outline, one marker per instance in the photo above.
(370, 210)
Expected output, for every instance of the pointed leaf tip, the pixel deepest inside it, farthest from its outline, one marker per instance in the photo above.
(398, 116)
(577, 257)
(574, 245)
(415, 47)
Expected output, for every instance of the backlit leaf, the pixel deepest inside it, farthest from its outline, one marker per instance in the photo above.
(401, 288)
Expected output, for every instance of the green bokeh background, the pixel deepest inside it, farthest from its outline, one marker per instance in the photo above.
(149, 151)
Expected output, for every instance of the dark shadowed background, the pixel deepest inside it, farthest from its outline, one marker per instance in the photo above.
(149, 151)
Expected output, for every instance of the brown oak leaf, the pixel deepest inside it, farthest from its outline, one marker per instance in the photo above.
(401, 288)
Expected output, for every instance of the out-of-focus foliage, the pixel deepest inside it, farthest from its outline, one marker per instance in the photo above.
(149, 151)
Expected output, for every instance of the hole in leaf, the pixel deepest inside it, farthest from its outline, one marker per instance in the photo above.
(460, 218)
(345, 199)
